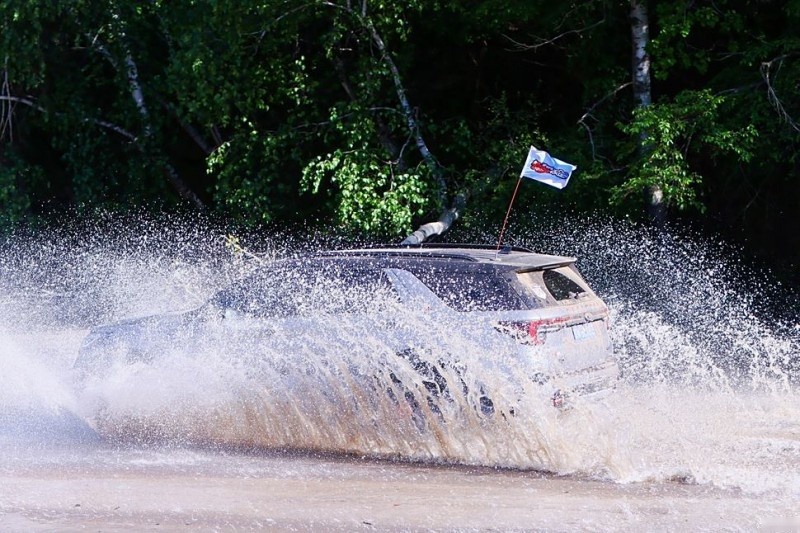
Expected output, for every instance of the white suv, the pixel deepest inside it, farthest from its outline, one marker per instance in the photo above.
(402, 301)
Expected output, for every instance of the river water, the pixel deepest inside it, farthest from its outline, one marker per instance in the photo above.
(702, 433)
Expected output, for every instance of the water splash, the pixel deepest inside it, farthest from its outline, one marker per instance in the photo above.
(709, 348)
(37, 402)
(708, 392)
(352, 394)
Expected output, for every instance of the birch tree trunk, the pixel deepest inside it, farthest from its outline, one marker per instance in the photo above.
(440, 226)
(131, 71)
(408, 111)
(450, 214)
(640, 36)
(135, 88)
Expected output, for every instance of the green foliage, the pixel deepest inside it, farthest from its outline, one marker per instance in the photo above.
(371, 197)
(247, 169)
(371, 192)
(681, 25)
(672, 134)
(287, 109)
(491, 153)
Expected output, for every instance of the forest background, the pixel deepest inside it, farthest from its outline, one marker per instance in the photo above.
(376, 116)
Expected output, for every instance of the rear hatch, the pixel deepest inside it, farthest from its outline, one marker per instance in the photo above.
(542, 302)
(564, 316)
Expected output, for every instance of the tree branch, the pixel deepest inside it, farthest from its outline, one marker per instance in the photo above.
(263, 32)
(772, 94)
(113, 127)
(408, 111)
(102, 123)
(136, 92)
(383, 131)
(6, 110)
(545, 42)
(588, 113)
(413, 126)
(446, 220)
(190, 130)
(24, 101)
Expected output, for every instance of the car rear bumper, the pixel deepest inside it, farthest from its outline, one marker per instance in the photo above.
(590, 384)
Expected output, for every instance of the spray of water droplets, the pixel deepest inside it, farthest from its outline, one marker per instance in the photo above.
(708, 392)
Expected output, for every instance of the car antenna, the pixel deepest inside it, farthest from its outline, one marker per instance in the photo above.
(505, 221)
(542, 167)
(506, 249)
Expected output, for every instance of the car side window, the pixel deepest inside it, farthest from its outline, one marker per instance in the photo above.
(308, 290)
(345, 289)
(465, 291)
(266, 294)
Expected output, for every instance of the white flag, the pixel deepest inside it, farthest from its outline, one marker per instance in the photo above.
(541, 166)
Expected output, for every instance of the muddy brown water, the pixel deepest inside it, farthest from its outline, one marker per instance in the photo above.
(134, 489)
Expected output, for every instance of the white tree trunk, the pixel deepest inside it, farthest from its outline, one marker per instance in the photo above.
(440, 226)
(450, 215)
(640, 37)
(640, 33)
(408, 111)
(135, 89)
(132, 73)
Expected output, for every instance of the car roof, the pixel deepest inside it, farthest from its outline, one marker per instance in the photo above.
(519, 259)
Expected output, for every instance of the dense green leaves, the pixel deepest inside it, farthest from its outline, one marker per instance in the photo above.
(674, 134)
(278, 110)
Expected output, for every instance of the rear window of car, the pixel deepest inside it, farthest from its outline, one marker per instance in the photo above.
(560, 285)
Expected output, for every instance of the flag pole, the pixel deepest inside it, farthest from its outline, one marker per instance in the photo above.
(505, 222)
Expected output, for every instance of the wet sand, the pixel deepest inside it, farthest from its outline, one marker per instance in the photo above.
(133, 490)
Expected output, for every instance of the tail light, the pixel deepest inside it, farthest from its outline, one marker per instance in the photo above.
(530, 332)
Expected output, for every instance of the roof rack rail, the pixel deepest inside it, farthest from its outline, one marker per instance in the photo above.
(451, 245)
